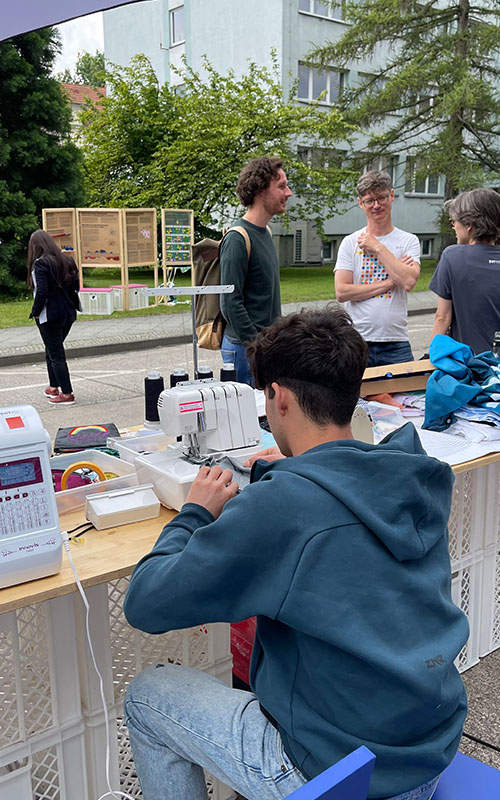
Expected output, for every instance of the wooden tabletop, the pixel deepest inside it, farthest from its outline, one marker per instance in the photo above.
(101, 556)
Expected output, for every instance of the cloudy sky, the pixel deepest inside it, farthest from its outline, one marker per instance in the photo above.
(79, 35)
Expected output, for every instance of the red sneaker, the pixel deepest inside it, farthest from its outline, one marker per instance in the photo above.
(66, 399)
(50, 392)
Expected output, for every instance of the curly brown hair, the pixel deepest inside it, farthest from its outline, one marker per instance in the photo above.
(256, 176)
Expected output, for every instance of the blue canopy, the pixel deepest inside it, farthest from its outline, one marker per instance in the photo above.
(21, 16)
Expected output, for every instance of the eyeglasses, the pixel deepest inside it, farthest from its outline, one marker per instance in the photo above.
(370, 201)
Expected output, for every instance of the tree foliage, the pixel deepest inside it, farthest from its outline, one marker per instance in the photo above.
(153, 145)
(90, 70)
(437, 94)
(39, 164)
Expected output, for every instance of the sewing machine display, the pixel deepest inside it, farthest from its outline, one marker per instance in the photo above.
(29, 525)
(214, 419)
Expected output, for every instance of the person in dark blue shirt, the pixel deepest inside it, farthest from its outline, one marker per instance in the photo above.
(467, 278)
(340, 549)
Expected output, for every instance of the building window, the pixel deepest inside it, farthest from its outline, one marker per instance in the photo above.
(319, 157)
(371, 84)
(177, 33)
(426, 247)
(298, 246)
(387, 164)
(328, 249)
(327, 83)
(418, 180)
(321, 9)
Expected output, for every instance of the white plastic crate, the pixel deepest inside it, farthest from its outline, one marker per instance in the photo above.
(96, 301)
(490, 610)
(466, 522)
(492, 505)
(136, 299)
(42, 754)
(123, 652)
(466, 589)
(206, 647)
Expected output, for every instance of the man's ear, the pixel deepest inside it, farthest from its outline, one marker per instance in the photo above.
(281, 398)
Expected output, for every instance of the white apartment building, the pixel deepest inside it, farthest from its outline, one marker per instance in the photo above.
(230, 33)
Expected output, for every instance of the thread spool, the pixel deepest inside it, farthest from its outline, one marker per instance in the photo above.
(228, 372)
(178, 375)
(153, 386)
(204, 371)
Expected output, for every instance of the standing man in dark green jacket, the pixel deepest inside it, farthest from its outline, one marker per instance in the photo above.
(255, 303)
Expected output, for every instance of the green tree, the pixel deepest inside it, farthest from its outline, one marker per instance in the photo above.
(89, 70)
(153, 145)
(437, 94)
(39, 164)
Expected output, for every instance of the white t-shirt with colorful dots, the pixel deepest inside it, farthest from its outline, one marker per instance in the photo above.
(383, 318)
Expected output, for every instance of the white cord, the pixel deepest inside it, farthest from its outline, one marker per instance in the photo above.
(111, 793)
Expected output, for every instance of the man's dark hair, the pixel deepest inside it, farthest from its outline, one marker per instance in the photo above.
(319, 356)
(256, 176)
(479, 208)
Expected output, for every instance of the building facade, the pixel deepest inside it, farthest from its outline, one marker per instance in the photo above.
(230, 33)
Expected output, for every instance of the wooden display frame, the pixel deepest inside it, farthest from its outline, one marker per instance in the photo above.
(180, 241)
(61, 224)
(110, 238)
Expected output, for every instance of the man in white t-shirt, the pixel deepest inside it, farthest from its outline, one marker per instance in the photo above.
(376, 266)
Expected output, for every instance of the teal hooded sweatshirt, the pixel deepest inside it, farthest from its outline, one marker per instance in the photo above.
(342, 554)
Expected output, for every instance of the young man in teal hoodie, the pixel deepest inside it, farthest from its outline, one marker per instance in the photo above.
(340, 549)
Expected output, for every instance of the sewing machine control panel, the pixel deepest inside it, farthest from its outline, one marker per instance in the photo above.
(24, 503)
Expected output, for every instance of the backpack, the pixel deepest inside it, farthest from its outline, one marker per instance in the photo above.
(205, 256)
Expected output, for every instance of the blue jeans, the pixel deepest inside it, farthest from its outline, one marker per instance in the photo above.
(234, 353)
(381, 353)
(181, 720)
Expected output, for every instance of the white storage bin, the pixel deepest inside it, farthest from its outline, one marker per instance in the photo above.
(466, 589)
(72, 499)
(489, 620)
(136, 299)
(205, 647)
(42, 748)
(140, 442)
(466, 520)
(96, 301)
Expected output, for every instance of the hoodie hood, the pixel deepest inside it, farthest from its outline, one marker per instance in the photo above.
(394, 488)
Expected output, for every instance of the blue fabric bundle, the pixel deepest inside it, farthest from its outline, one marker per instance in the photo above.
(459, 378)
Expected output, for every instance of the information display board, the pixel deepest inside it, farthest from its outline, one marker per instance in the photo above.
(60, 223)
(177, 229)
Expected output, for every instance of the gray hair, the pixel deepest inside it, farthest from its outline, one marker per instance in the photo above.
(373, 181)
(479, 208)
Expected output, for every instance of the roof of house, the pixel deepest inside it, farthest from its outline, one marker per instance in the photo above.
(79, 92)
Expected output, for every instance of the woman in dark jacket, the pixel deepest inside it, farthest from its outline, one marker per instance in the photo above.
(53, 276)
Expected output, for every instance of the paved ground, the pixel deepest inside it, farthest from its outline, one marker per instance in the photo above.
(23, 345)
(109, 359)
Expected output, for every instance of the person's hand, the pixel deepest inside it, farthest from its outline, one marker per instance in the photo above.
(407, 259)
(368, 242)
(269, 454)
(212, 488)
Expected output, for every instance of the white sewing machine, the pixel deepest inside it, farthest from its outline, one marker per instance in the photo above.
(30, 540)
(213, 418)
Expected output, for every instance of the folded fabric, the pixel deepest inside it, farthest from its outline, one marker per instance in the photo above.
(459, 378)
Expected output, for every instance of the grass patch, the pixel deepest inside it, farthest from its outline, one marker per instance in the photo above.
(297, 284)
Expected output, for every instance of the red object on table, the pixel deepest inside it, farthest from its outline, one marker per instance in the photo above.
(242, 636)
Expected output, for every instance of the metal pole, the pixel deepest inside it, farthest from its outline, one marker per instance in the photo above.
(195, 338)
